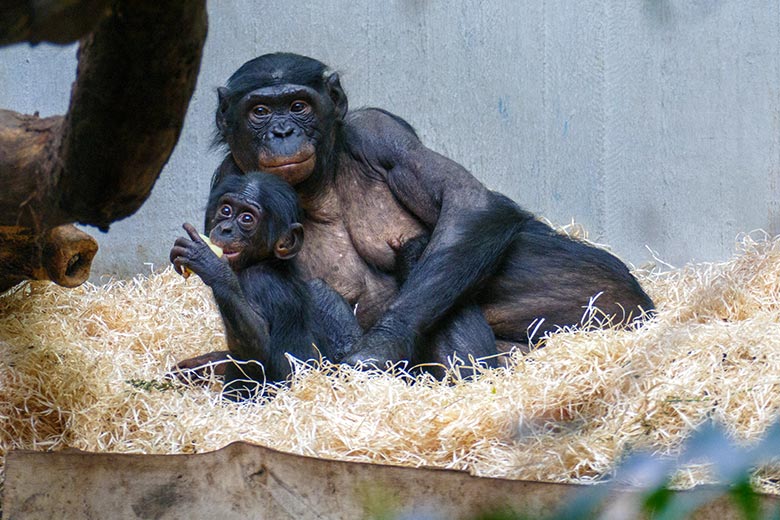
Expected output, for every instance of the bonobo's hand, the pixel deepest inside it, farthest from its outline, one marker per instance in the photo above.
(196, 255)
(389, 339)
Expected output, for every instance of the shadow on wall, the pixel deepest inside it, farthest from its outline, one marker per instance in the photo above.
(665, 14)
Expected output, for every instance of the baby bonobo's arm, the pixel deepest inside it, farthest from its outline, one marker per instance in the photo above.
(246, 328)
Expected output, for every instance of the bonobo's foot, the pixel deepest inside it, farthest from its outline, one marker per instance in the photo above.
(387, 341)
(200, 368)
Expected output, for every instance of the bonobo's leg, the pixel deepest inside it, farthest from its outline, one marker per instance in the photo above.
(244, 380)
(340, 326)
(462, 334)
(547, 281)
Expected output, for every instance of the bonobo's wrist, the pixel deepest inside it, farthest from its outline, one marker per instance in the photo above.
(220, 275)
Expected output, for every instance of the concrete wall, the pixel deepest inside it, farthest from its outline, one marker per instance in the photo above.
(652, 122)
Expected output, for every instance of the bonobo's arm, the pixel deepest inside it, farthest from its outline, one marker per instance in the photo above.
(246, 328)
(471, 228)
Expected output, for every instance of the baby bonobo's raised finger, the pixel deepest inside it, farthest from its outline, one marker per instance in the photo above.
(192, 232)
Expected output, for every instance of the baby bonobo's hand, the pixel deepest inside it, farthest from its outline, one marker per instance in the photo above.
(195, 255)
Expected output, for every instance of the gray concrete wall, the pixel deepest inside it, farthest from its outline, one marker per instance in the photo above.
(652, 122)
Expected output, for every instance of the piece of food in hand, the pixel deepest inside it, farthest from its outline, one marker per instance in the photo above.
(186, 272)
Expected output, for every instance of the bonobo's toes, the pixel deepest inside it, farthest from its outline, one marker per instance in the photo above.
(200, 368)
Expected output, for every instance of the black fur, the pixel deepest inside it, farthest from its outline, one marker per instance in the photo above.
(267, 309)
(486, 260)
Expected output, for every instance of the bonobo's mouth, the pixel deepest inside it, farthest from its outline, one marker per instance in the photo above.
(281, 165)
(229, 254)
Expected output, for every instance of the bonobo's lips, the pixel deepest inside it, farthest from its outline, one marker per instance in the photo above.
(285, 164)
(229, 254)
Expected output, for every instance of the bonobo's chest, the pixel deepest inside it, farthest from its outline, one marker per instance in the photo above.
(374, 218)
(346, 244)
(328, 254)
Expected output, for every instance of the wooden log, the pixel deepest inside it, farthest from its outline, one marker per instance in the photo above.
(61, 21)
(63, 255)
(97, 164)
(67, 255)
(136, 75)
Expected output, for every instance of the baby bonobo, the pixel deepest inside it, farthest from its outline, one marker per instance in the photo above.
(267, 309)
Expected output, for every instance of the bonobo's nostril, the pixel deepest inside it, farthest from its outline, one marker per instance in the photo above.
(282, 131)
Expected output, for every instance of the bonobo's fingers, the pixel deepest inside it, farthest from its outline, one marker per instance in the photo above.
(197, 255)
(177, 256)
(179, 253)
(192, 232)
(200, 368)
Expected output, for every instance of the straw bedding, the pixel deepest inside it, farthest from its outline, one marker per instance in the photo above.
(85, 368)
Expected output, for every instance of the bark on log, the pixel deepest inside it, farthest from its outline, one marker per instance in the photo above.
(97, 164)
(136, 75)
(51, 21)
(64, 255)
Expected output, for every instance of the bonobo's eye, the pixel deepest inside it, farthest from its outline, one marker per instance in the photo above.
(259, 112)
(246, 220)
(225, 211)
(299, 107)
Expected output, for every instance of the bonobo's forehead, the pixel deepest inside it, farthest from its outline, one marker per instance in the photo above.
(246, 197)
(278, 69)
(251, 193)
(284, 93)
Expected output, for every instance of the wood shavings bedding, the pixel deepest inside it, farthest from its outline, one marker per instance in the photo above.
(85, 368)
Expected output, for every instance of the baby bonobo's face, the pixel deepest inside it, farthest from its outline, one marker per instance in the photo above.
(237, 231)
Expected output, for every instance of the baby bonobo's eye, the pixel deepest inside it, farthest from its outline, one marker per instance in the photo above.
(225, 210)
(246, 219)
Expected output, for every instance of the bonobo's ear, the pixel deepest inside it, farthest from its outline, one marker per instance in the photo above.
(337, 95)
(291, 242)
(222, 96)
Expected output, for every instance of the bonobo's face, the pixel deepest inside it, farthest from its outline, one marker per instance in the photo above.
(256, 219)
(237, 231)
(279, 129)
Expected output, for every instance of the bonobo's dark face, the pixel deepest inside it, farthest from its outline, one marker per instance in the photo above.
(277, 131)
(256, 220)
(280, 129)
(279, 113)
(237, 231)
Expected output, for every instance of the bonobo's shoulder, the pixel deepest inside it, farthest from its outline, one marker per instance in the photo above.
(377, 121)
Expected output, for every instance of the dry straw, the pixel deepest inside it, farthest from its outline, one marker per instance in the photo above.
(86, 367)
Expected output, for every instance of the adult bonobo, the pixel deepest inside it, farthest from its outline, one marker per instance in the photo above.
(364, 179)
